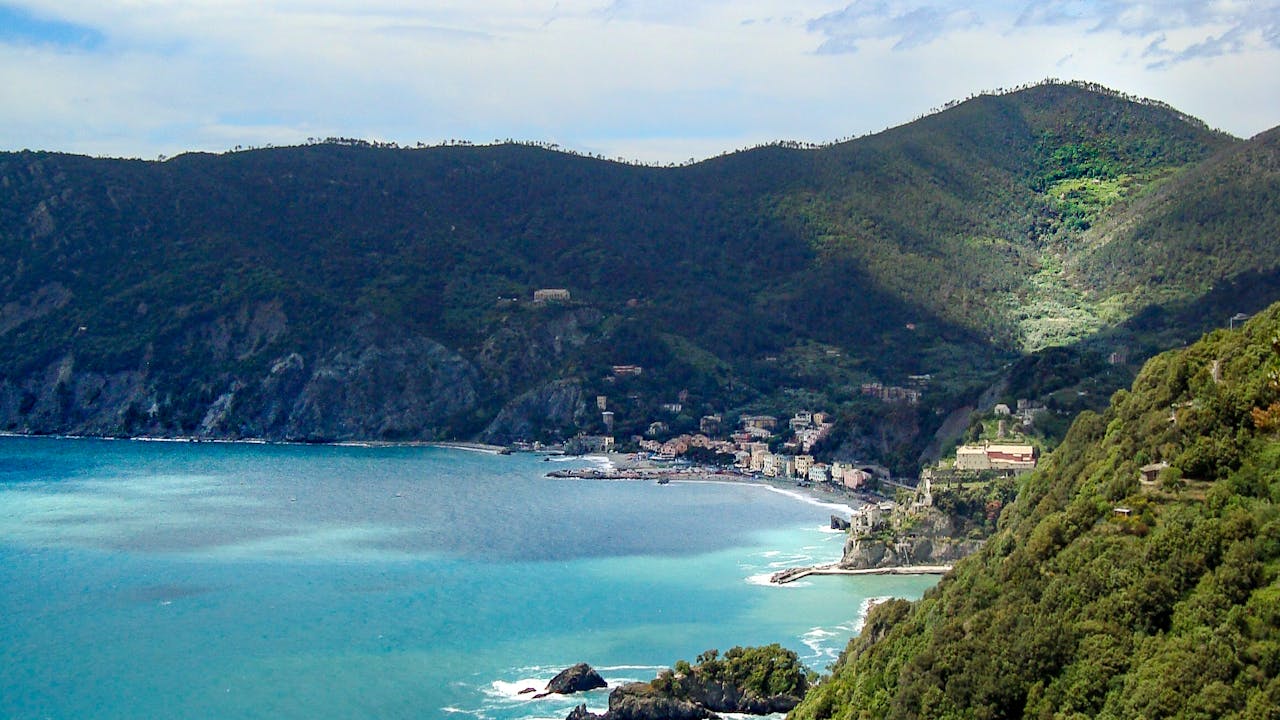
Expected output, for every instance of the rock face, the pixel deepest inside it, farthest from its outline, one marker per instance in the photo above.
(519, 356)
(930, 542)
(371, 383)
(557, 404)
(640, 701)
(730, 698)
(579, 678)
(839, 523)
(393, 389)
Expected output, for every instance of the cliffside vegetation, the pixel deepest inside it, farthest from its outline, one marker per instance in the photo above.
(254, 293)
(1137, 574)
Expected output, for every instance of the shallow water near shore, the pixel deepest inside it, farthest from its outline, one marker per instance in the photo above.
(241, 581)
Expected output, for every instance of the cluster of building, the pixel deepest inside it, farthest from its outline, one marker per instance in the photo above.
(1025, 414)
(681, 444)
(891, 393)
(750, 446)
(804, 469)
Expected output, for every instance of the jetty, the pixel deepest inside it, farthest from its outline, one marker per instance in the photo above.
(472, 446)
(783, 577)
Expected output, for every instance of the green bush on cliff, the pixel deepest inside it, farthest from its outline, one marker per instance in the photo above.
(759, 672)
(1102, 596)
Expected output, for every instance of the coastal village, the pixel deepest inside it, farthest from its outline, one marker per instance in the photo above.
(751, 447)
(788, 450)
(896, 529)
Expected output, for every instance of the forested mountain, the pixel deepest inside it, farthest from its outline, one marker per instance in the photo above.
(345, 290)
(1135, 576)
(1216, 221)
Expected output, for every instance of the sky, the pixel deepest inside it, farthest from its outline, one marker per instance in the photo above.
(654, 81)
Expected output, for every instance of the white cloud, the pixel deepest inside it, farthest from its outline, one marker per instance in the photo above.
(660, 80)
(908, 26)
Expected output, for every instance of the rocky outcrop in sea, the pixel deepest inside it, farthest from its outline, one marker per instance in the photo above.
(579, 678)
(753, 681)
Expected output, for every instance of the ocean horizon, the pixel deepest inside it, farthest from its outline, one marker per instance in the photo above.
(223, 580)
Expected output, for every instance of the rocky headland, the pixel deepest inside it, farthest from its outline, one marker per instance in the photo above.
(935, 525)
(755, 681)
(931, 540)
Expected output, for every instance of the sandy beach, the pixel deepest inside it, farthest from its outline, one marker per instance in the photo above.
(636, 466)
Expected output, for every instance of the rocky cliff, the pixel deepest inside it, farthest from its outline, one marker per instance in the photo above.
(936, 525)
(931, 540)
(753, 681)
(251, 374)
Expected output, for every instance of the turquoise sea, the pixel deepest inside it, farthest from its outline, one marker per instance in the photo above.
(181, 580)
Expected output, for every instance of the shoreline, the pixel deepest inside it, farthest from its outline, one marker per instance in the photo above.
(469, 446)
(610, 466)
(448, 444)
(625, 466)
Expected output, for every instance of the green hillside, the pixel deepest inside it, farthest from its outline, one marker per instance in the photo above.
(1218, 221)
(346, 290)
(1101, 595)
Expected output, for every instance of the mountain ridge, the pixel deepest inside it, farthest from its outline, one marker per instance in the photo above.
(752, 281)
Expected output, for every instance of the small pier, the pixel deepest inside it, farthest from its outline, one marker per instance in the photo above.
(782, 577)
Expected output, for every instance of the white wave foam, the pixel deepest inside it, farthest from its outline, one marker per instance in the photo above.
(865, 608)
(809, 499)
(817, 642)
(601, 461)
(820, 642)
(802, 497)
(523, 689)
(765, 580)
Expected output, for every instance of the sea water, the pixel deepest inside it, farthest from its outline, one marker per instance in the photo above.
(182, 580)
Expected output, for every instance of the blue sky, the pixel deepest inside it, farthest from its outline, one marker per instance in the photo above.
(656, 81)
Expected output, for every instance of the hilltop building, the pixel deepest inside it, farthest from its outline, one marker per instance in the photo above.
(547, 295)
(1008, 458)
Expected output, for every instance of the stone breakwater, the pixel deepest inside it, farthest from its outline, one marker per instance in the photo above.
(783, 577)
